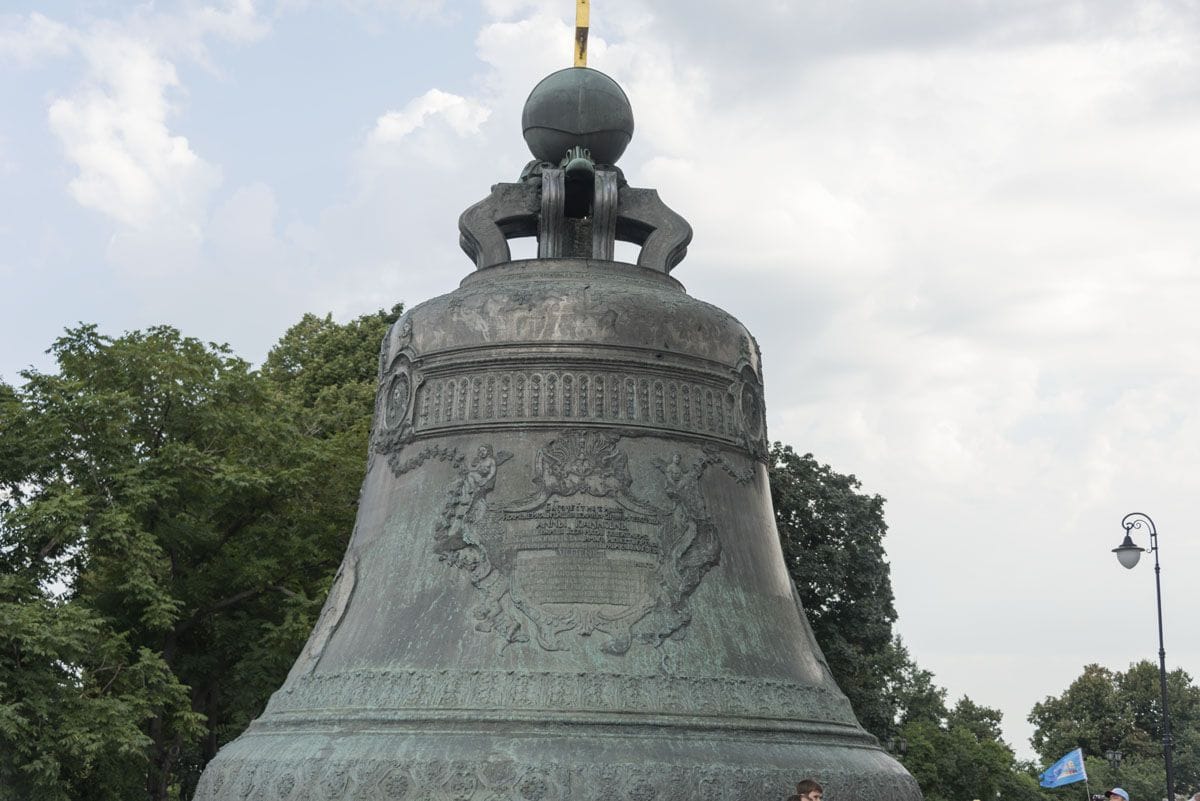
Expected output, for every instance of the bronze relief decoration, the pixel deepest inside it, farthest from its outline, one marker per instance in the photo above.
(582, 555)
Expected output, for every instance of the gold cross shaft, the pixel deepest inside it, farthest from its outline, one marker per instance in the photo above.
(581, 32)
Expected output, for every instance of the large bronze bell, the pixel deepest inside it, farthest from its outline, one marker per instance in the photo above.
(565, 580)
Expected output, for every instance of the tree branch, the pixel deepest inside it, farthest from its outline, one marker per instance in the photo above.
(224, 603)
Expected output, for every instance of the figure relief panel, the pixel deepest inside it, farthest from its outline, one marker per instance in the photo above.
(582, 554)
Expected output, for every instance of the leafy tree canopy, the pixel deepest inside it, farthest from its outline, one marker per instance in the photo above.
(169, 522)
(1104, 710)
(832, 537)
(76, 700)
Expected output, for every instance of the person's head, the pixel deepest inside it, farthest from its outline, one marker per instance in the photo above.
(1117, 793)
(810, 790)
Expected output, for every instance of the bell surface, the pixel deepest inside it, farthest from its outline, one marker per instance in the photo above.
(565, 580)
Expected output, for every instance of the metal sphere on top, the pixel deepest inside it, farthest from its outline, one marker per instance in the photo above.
(577, 107)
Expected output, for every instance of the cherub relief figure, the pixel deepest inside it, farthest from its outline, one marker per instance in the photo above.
(683, 486)
(689, 545)
(476, 482)
(479, 478)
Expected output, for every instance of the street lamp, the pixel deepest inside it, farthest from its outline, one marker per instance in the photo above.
(1128, 554)
(1114, 761)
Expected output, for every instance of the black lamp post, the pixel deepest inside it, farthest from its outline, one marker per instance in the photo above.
(1128, 555)
(1114, 761)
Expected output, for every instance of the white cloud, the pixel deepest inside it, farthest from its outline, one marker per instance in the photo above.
(115, 126)
(238, 21)
(406, 8)
(115, 129)
(426, 134)
(26, 40)
(462, 116)
(8, 165)
(244, 228)
(187, 33)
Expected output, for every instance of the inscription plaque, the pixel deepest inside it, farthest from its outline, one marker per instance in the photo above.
(590, 560)
(583, 554)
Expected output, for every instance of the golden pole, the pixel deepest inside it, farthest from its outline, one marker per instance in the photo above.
(581, 32)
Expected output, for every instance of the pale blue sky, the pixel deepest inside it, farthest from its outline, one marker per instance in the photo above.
(965, 235)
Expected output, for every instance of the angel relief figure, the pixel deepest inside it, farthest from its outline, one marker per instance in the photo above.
(480, 477)
(478, 480)
(689, 544)
(683, 485)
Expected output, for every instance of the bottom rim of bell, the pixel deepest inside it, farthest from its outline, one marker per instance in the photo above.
(365, 765)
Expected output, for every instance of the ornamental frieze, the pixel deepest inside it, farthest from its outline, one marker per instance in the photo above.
(495, 777)
(414, 403)
(655, 694)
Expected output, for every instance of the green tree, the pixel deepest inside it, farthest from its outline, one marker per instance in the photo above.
(1089, 715)
(1106, 710)
(1139, 686)
(832, 536)
(171, 519)
(75, 701)
(331, 368)
(982, 722)
(917, 696)
(962, 756)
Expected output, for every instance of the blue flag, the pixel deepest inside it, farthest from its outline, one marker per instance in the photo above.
(1065, 771)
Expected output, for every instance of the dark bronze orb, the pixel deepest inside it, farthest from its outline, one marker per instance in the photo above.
(577, 107)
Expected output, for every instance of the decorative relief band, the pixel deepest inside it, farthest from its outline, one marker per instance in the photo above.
(421, 396)
(575, 396)
(542, 690)
(498, 777)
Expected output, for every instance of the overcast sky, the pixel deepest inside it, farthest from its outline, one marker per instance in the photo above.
(966, 235)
